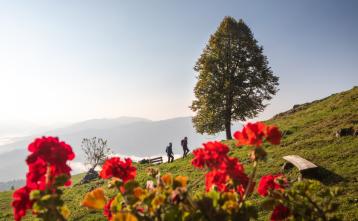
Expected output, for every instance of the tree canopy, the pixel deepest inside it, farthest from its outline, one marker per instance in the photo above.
(96, 151)
(234, 79)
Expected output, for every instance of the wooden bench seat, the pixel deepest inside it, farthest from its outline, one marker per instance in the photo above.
(157, 160)
(299, 162)
(304, 166)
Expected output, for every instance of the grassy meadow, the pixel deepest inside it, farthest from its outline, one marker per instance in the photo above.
(309, 132)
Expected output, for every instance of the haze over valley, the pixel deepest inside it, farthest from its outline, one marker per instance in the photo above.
(127, 136)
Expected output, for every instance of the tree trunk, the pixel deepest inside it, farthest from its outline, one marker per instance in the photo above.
(94, 167)
(228, 129)
(228, 116)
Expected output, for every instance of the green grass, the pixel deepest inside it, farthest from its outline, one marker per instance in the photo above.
(311, 135)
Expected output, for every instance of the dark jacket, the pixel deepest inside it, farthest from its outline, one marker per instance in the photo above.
(184, 143)
(169, 150)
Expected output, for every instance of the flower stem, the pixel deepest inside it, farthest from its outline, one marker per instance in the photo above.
(48, 177)
(320, 211)
(249, 185)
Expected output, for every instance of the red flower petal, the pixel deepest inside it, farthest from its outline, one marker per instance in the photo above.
(21, 202)
(269, 182)
(115, 167)
(273, 135)
(280, 213)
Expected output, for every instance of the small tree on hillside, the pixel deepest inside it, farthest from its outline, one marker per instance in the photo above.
(234, 79)
(96, 151)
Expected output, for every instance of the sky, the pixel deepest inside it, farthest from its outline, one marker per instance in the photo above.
(68, 61)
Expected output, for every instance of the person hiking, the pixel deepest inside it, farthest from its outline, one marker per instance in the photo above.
(184, 144)
(169, 151)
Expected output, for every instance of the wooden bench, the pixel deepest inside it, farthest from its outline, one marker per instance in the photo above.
(157, 160)
(302, 164)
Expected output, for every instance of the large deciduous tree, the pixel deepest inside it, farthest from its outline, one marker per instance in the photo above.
(234, 79)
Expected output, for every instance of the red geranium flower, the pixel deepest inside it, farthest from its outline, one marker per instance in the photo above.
(280, 213)
(216, 178)
(240, 189)
(199, 158)
(235, 171)
(216, 148)
(50, 150)
(252, 134)
(115, 167)
(107, 209)
(21, 202)
(273, 135)
(212, 155)
(47, 153)
(47, 161)
(36, 177)
(215, 153)
(269, 182)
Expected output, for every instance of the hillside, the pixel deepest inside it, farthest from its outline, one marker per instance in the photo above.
(309, 133)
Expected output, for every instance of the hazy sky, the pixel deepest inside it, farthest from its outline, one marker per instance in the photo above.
(67, 61)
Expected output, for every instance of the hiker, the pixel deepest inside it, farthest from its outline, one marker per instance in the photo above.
(184, 144)
(169, 151)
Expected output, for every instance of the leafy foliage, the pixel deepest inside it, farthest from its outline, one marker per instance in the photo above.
(234, 79)
(321, 201)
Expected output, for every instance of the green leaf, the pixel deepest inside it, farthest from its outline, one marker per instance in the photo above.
(46, 198)
(268, 204)
(129, 186)
(35, 195)
(61, 180)
(215, 196)
(38, 208)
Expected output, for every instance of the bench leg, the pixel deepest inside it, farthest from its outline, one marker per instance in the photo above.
(286, 166)
(300, 177)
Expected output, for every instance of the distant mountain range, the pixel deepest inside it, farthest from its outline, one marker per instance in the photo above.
(14, 184)
(129, 136)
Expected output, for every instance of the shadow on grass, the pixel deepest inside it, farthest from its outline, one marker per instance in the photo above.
(323, 175)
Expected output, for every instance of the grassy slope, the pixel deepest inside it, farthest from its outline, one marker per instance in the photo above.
(312, 137)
